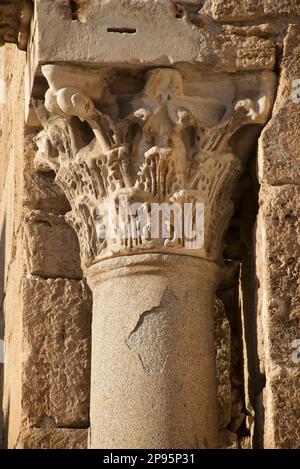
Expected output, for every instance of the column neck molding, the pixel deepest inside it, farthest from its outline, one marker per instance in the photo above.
(152, 137)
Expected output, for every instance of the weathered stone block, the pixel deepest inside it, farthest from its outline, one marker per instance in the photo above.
(54, 438)
(52, 247)
(222, 345)
(280, 225)
(233, 10)
(40, 191)
(56, 353)
(279, 150)
(282, 402)
(129, 32)
(279, 250)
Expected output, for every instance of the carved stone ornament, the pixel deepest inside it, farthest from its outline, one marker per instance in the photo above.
(162, 141)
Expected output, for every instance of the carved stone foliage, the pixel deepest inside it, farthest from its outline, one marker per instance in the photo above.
(161, 142)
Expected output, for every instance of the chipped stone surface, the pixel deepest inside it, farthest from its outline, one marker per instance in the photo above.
(260, 30)
(282, 404)
(54, 438)
(222, 344)
(279, 270)
(174, 406)
(152, 350)
(40, 191)
(279, 151)
(139, 25)
(56, 353)
(280, 227)
(52, 247)
(245, 10)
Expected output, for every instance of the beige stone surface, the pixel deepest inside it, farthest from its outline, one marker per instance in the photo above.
(16, 387)
(56, 353)
(11, 405)
(54, 438)
(245, 10)
(279, 269)
(265, 30)
(279, 151)
(153, 374)
(153, 356)
(282, 404)
(129, 32)
(40, 190)
(280, 227)
(52, 247)
(11, 268)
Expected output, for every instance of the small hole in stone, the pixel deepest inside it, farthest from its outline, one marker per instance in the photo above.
(122, 30)
(180, 12)
(74, 4)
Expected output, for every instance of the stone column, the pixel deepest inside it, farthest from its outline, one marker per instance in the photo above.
(153, 373)
(158, 140)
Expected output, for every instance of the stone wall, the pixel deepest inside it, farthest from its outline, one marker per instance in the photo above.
(46, 305)
(12, 125)
(278, 255)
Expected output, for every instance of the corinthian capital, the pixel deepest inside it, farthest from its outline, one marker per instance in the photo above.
(157, 138)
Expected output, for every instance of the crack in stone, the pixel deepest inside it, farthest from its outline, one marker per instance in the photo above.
(152, 337)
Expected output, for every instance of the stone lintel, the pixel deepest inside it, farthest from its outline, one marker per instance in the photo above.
(135, 34)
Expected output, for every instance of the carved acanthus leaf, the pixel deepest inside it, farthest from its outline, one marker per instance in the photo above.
(158, 145)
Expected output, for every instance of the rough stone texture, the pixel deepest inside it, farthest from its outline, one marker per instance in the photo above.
(139, 25)
(245, 10)
(25, 374)
(226, 36)
(222, 344)
(231, 51)
(260, 30)
(40, 190)
(56, 353)
(281, 233)
(279, 269)
(279, 248)
(279, 150)
(52, 247)
(54, 438)
(11, 247)
(10, 413)
(282, 403)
